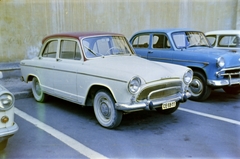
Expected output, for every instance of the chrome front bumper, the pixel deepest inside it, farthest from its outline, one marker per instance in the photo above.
(229, 81)
(8, 132)
(150, 104)
(224, 82)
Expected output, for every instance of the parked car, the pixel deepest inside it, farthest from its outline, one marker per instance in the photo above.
(212, 68)
(224, 39)
(101, 70)
(7, 125)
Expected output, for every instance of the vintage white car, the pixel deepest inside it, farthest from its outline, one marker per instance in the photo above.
(7, 125)
(224, 39)
(101, 70)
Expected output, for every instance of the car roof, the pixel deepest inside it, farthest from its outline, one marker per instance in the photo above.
(168, 30)
(79, 35)
(217, 32)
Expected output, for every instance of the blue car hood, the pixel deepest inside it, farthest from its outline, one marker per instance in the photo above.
(232, 59)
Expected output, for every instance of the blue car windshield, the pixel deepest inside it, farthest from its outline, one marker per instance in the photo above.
(189, 39)
(105, 46)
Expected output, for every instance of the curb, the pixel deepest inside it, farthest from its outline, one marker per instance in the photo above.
(22, 95)
(9, 70)
(10, 74)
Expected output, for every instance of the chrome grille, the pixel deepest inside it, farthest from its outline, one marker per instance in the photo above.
(160, 91)
(233, 73)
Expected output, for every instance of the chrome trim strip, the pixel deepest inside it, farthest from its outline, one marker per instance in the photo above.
(78, 73)
(177, 60)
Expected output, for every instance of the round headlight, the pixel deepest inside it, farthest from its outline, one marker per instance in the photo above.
(187, 77)
(6, 101)
(134, 85)
(220, 62)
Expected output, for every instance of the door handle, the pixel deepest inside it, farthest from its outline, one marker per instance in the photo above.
(150, 52)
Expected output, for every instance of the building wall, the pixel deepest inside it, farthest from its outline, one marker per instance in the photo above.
(23, 23)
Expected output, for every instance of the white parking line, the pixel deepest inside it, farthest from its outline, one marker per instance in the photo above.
(211, 116)
(60, 136)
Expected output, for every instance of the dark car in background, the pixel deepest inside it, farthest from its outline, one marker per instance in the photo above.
(212, 68)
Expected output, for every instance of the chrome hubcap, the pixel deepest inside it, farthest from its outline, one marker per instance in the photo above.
(105, 109)
(196, 87)
(37, 88)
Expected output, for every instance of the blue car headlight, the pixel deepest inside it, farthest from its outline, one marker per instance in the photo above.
(220, 62)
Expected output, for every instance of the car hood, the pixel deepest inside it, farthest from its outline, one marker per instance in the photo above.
(126, 67)
(232, 59)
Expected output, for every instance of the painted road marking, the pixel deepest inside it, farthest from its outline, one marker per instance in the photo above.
(82, 149)
(211, 116)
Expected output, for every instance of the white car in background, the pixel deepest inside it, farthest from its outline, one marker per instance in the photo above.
(7, 125)
(101, 70)
(224, 39)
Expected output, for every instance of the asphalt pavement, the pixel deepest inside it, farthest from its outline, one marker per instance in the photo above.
(10, 78)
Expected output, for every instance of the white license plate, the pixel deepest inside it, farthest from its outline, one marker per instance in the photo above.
(168, 105)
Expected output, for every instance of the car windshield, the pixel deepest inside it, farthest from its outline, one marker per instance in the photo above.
(105, 46)
(189, 39)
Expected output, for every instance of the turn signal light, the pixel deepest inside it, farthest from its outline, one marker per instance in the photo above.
(4, 119)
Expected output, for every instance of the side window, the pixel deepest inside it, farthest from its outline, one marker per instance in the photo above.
(212, 39)
(160, 42)
(50, 49)
(69, 50)
(227, 41)
(141, 41)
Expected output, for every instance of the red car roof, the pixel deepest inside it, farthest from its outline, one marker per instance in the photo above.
(79, 35)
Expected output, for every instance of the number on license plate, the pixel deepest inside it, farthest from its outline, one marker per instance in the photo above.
(168, 105)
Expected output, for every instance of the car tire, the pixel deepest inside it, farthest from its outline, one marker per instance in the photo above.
(168, 111)
(104, 109)
(3, 144)
(232, 89)
(37, 91)
(198, 87)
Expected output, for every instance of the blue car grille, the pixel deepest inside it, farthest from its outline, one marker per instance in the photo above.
(232, 73)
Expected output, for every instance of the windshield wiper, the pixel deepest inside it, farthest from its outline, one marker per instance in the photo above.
(91, 51)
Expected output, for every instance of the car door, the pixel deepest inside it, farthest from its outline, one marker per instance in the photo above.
(155, 47)
(66, 67)
(160, 48)
(140, 44)
(45, 66)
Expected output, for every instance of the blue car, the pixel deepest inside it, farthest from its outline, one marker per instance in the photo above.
(212, 68)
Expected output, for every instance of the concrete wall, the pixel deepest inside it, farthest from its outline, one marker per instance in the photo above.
(23, 23)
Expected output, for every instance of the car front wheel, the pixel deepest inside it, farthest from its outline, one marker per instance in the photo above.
(104, 109)
(37, 91)
(199, 88)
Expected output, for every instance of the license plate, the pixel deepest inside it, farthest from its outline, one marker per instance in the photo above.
(168, 105)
